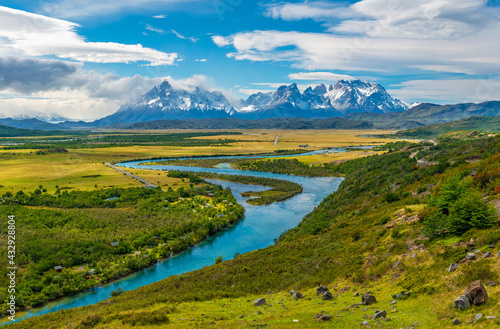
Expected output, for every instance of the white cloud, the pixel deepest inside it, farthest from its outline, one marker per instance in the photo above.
(316, 10)
(448, 91)
(35, 35)
(389, 37)
(160, 16)
(200, 60)
(154, 29)
(93, 8)
(181, 36)
(325, 76)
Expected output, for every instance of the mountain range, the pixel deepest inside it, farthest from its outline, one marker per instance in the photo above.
(365, 103)
(345, 97)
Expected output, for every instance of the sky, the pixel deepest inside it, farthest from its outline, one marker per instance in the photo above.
(83, 59)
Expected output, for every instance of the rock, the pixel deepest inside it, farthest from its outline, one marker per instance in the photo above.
(321, 290)
(471, 243)
(393, 302)
(259, 313)
(491, 317)
(488, 254)
(242, 316)
(292, 292)
(297, 295)
(321, 317)
(364, 323)
(452, 267)
(326, 317)
(327, 295)
(476, 293)
(477, 318)
(379, 315)
(491, 283)
(356, 294)
(498, 254)
(395, 265)
(470, 256)
(462, 303)
(259, 302)
(456, 321)
(368, 299)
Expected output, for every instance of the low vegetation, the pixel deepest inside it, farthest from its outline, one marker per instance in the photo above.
(371, 234)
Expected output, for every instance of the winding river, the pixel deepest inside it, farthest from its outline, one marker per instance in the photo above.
(258, 229)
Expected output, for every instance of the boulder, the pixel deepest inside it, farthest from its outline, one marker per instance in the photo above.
(456, 321)
(476, 293)
(321, 317)
(327, 295)
(470, 256)
(452, 267)
(297, 295)
(462, 303)
(378, 315)
(259, 302)
(368, 299)
(292, 292)
(321, 290)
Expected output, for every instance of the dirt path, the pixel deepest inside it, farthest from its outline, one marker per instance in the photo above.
(276, 139)
(145, 182)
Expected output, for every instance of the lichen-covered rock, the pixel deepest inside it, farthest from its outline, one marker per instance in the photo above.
(462, 303)
(476, 293)
(368, 299)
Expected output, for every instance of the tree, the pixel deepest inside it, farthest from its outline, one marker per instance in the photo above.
(470, 211)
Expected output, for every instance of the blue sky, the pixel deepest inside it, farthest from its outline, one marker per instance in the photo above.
(82, 59)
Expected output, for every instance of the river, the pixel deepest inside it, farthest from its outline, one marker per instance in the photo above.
(258, 229)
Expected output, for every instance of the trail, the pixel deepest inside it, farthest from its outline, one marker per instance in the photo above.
(276, 139)
(145, 182)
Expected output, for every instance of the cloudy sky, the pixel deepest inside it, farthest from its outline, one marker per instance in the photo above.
(82, 59)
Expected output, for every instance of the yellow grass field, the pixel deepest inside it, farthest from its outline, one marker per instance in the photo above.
(85, 168)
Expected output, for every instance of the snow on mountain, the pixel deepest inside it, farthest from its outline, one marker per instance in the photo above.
(167, 102)
(345, 97)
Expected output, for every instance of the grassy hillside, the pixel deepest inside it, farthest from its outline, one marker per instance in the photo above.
(394, 225)
(6, 131)
(480, 124)
(276, 123)
(428, 114)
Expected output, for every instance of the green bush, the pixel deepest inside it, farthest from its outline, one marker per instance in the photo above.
(470, 211)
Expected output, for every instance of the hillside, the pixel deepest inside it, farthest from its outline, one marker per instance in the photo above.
(481, 124)
(427, 114)
(233, 123)
(6, 131)
(393, 226)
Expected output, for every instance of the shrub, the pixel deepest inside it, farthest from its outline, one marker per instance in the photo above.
(470, 211)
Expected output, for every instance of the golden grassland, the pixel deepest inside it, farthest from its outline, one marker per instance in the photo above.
(85, 168)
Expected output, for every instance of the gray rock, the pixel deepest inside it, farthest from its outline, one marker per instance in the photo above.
(491, 283)
(378, 315)
(368, 299)
(477, 318)
(470, 256)
(488, 254)
(395, 265)
(297, 295)
(393, 302)
(456, 321)
(498, 254)
(364, 323)
(452, 267)
(490, 317)
(356, 294)
(476, 293)
(292, 292)
(462, 303)
(413, 255)
(327, 295)
(259, 302)
(259, 313)
(321, 290)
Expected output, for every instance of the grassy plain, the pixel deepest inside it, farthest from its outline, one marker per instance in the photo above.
(82, 168)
